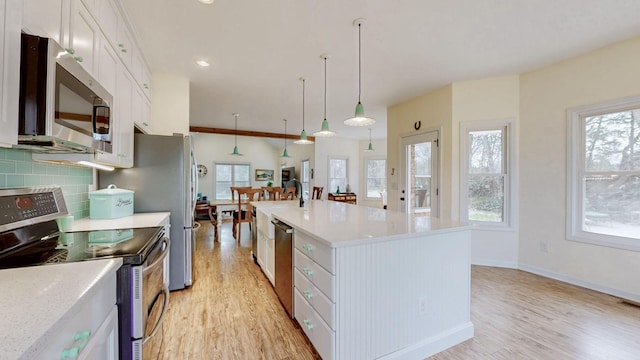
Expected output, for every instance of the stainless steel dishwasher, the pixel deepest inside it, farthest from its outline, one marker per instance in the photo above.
(284, 264)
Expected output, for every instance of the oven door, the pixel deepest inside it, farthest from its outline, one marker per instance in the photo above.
(151, 301)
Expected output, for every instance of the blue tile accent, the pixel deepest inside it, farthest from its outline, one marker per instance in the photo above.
(17, 169)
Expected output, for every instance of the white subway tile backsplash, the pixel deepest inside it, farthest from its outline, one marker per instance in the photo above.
(18, 170)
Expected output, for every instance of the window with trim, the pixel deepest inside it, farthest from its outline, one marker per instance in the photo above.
(485, 176)
(338, 171)
(228, 175)
(604, 174)
(305, 179)
(375, 177)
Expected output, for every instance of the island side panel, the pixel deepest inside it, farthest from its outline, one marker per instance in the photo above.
(380, 287)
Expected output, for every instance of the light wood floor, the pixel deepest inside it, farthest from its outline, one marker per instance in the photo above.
(231, 312)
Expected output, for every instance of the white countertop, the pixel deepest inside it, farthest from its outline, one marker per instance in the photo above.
(36, 298)
(339, 224)
(137, 220)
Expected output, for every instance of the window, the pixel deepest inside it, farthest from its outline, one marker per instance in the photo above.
(305, 179)
(604, 174)
(376, 177)
(338, 174)
(228, 175)
(485, 180)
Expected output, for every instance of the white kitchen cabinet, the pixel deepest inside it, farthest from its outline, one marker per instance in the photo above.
(45, 18)
(107, 66)
(84, 36)
(143, 117)
(10, 22)
(108, 19)
(104, 343)
(92, 325)
(124, 45)
(122, 151)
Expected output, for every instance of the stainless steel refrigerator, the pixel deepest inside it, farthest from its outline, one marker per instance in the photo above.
(164, 178)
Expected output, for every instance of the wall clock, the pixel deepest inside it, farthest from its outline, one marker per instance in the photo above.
(202, 170)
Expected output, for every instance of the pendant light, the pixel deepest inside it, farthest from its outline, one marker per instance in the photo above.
(370, 148)
(235, 148)
(359, 118)
(285, 154)
(324, 130)
(303, 135)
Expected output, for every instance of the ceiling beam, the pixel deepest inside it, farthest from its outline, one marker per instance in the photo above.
(210, 130)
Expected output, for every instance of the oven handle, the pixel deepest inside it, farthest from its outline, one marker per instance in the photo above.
(165, 306)
(158, 261)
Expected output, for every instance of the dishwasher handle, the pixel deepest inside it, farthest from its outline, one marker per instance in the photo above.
(282, 226)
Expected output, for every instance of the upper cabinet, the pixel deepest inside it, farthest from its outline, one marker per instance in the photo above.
(84, 36)
(45, 18)
(97, 34)
(10, 24)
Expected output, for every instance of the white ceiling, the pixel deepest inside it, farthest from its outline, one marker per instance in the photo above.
(259, 49)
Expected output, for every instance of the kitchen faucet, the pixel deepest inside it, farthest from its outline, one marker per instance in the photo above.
(297, 182)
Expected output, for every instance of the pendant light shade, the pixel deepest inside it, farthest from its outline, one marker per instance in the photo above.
(370, 148)
(303, 135)
(285, 154)
(236, 152)
(359, 119)
(324, 130)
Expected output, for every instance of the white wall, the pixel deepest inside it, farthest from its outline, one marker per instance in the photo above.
(487, 100)
(170, 104)
(546, 94)
(211, 148)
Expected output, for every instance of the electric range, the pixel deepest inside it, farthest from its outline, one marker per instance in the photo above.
(29, 236)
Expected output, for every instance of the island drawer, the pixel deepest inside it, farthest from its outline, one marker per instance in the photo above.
(318, 332)
(318, 252)
(315, 273)
(315, 298)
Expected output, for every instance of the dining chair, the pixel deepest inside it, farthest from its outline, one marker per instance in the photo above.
(275, 192)
(213, 216)
(234, 191)
(243, 213)
(290, 193)
(317, 192)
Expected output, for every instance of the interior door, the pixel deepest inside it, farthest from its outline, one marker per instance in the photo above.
(419, 163)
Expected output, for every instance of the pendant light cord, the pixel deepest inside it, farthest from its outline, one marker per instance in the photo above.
(325, 88)
(236, 132)
(359, 62)
(285, 134)
(303, 81)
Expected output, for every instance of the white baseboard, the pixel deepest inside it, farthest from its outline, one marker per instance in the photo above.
(433, 345)
(495, 263)
(578, 282)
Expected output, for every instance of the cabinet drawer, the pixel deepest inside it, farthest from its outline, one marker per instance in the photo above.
(318, 276)
(318, 252)
(315, 298)
(90, 312)
(318, 332)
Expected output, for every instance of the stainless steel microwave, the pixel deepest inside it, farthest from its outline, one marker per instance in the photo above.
(63, 109)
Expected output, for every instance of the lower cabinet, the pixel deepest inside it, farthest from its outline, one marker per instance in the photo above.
(266, 255)
(314, 282)
(92, 331)
(104, 343)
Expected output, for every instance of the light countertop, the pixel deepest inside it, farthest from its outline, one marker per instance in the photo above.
(339, 224)
(137, 220)
(37, 298)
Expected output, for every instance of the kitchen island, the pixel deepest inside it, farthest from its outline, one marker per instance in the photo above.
(378, 284)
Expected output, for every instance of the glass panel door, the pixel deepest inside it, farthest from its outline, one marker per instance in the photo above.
(419, 186)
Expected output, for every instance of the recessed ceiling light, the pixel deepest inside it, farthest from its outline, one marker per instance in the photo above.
(208, 2)
(202, 63)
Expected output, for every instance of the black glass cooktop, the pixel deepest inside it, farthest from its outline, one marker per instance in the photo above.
(133, 245)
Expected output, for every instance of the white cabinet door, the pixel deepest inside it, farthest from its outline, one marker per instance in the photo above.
(10, 23)
(44, 18)
(104, 342)
(108, 18)
(125, 45)
(271, 260)
(125, 118)
(84, 36)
